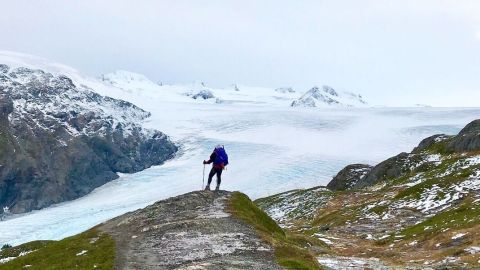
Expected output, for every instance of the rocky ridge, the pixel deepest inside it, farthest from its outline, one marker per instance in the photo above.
(192, 231)
(60, 140)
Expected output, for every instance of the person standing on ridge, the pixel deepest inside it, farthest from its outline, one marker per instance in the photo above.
(219, 158)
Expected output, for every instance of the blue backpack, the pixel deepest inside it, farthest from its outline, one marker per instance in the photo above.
(222, 156)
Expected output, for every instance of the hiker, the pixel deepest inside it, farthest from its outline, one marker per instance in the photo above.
(219, 158)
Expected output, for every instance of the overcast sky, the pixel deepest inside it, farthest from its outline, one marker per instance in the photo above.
(393, 52)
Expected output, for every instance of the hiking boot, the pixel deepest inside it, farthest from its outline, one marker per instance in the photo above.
(217, 188)
(207, 187)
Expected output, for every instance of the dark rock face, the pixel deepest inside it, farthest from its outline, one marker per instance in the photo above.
(59, 141)
(467, 140)
(388, 169)
(472, 128)
(203, 94)
(349, 176)
(428, 142)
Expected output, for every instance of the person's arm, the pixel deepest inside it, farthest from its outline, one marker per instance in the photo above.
(212, 158)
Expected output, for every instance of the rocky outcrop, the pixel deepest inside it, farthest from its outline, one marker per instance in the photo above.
(349, 176)
(467, 140)
(203, 94)
(59, 140)
(429, 142)
(191, 231)
(388, 169)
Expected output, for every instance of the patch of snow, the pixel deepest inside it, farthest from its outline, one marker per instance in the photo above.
(415, 180)
(7, 259)
(436, 158)
(81, 253)
(473, 250)
(430, 199)
(323, 239)
(351, 263)
(459, 235)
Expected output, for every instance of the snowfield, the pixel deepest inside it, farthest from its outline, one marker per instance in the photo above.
(272, 146)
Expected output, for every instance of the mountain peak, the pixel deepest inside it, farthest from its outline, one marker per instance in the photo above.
(326, 96)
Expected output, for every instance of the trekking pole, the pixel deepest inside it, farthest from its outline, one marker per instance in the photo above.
(203, 179)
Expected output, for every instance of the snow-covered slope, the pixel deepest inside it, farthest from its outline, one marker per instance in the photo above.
(329, 97)
(136, 85)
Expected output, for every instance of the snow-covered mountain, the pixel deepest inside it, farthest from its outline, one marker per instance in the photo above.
(60, 139)
(326, 96)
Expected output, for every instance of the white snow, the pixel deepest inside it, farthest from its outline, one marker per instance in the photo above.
(473, 250)
(81, 253)
(7, 259)
(272, 147)
(325, 240)
(351, 263)
(437, 198)
(458, 235)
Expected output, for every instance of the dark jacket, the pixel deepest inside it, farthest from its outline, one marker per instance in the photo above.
(213, 156)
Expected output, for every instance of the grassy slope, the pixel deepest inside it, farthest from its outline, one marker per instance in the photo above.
(49, 255)
(289, 249)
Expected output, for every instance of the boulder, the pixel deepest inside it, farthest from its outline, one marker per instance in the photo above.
(349, 176)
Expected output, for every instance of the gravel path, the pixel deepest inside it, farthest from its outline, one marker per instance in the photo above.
(191, 231)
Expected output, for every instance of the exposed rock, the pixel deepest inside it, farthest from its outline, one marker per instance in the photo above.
(349, 176)
(428, 142)
(203, 94)
(59, 141)
(467, 140)
(472, 128)
(191, 231)
(390, 168)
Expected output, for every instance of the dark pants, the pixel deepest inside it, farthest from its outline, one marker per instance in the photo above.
(218, 172)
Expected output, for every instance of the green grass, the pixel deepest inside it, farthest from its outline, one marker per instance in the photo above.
(379, 209)
(338, 217)
(439, 147)
(52, 255)
(464, 215)
(290, 250)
